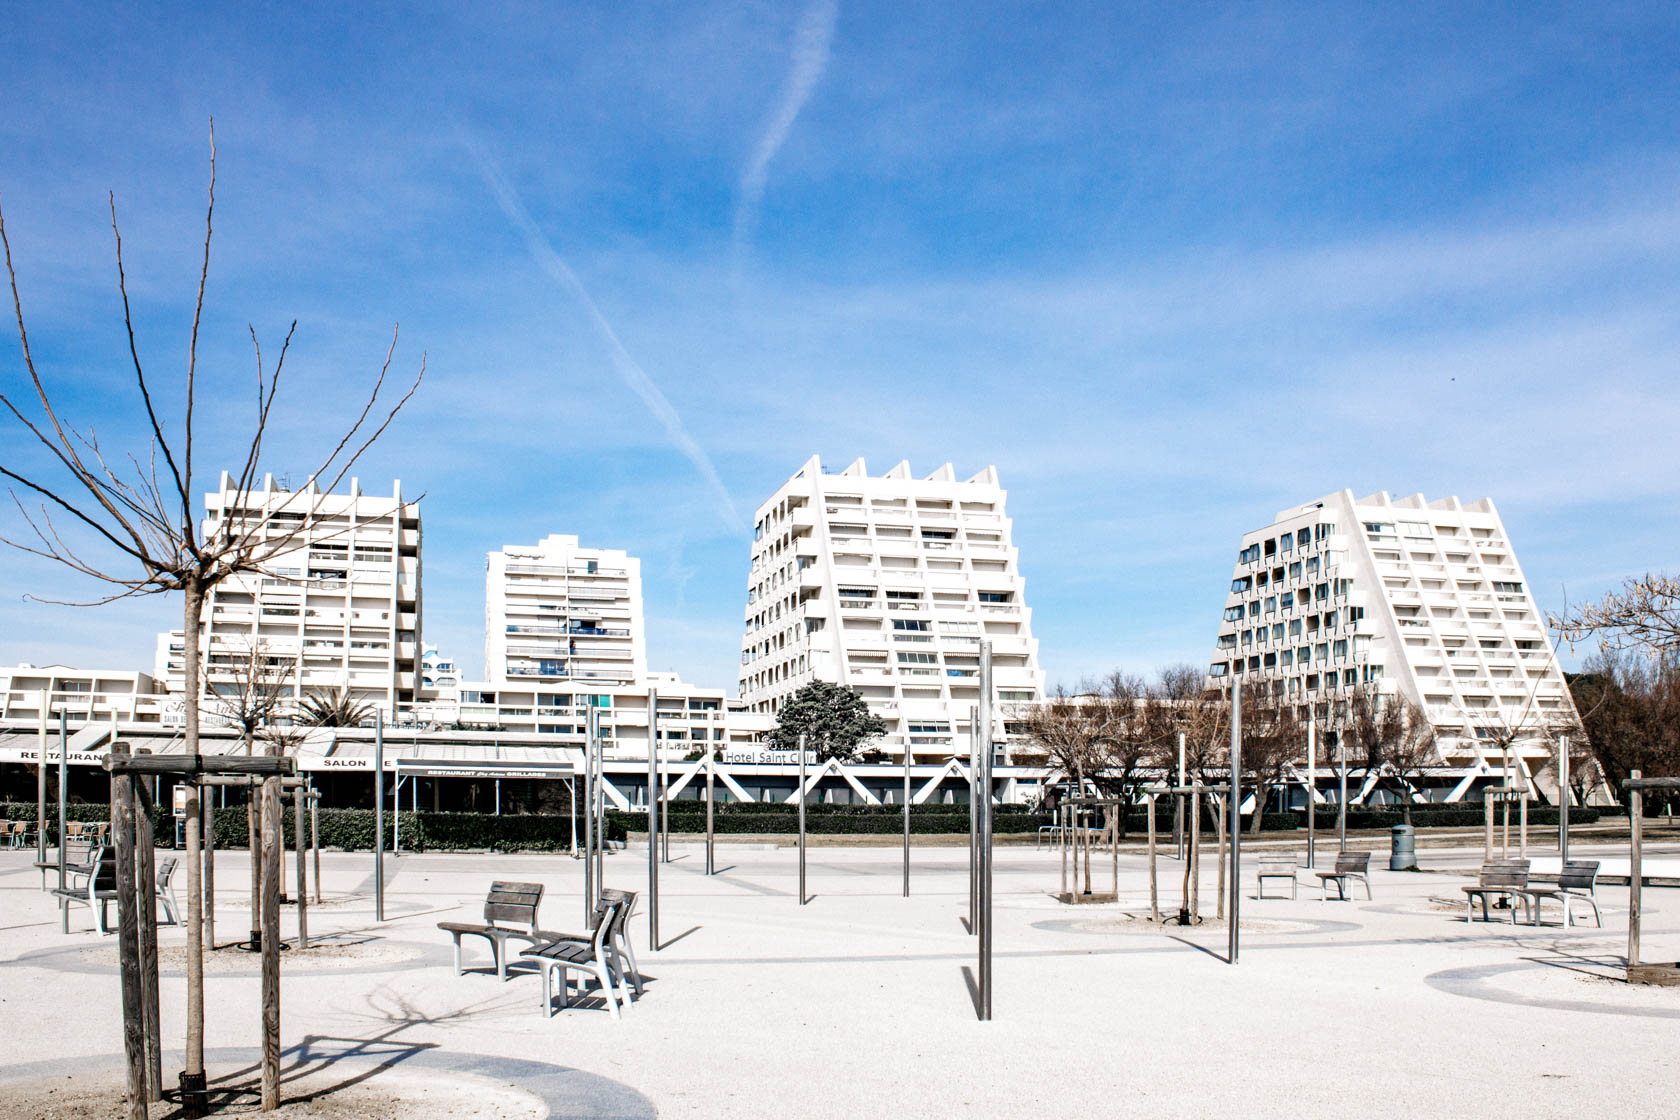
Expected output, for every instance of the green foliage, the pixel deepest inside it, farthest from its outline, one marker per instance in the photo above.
(334, 708)
(835, 720)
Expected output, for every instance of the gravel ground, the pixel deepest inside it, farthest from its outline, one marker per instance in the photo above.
(859, 1003)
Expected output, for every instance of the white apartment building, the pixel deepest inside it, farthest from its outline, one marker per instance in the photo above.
(84, 696)
(1424, 599)
(556, 611)
(887, 584)
(338, 605)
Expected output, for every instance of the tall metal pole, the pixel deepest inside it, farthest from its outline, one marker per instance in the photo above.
(973, 824)
(1236, 815)
(1341, 798)
(379, 814)
(43, 712)
(589, 811)
(985, 814)
(664, 817)
(600, 804)
(1636, 869)
(63, 787)
(802, 820)
(653, 795)
(907, 753)
(1312, 787)
(711, 798)
(1563, 799)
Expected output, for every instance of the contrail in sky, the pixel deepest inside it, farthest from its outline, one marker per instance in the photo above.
(629, 370)
(810, 58)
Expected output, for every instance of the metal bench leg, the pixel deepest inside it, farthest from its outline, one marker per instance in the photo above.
(457, 954)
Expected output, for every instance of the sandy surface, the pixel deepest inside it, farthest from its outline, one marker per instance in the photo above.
(859, 1004)
(100, 1096)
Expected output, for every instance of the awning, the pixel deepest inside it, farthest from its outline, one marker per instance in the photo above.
(453, 759)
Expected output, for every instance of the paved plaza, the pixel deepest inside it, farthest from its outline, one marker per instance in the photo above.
(858, 1004)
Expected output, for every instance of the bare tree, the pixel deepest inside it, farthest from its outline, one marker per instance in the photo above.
(247, 687)
(1643, 616)
(137, 507)
(1630, 714)
(1068, 726)
(1273, 737)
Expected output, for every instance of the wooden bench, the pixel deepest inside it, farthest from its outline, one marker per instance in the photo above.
(514, 903)
(75, 856)
(1577, 882)
(1502, 878)
(97, 889)
(1275, 867)
(1352, 866)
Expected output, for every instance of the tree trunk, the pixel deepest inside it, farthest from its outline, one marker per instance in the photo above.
(1260, 795)
(191, 610)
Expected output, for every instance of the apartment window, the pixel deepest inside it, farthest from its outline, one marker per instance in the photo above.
(1249, 554)
(1329, 620)
(1286, 659)
(1271, 604)
(1322, 593)
(917, 659)
(1322, 651)
(1248, 637)
(1339, 648)
(1242, 584)
(1271, 547)
(1312, 565)
(1414, 529)
(1378, 528)
(916, 624)
(1295, 570)
(1508, 588)
(1294, 628)
(995, 596)
(1218, 669)
(857, 592)
(1234, 614)
(1277, 632)
(1227, 641)
(1287, 541)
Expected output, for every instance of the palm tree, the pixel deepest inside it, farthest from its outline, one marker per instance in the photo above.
(335, 708)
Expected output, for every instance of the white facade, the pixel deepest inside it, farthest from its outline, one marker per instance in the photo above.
(1426, 599)
(84, 696)
(339, 605)
(559, 612)
(887, 584)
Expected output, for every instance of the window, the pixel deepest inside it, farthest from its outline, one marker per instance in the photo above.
(929, 729)
(1508, 588)
(1339, 648)
(1227, 641)
(1286, 659)
(1287, 541)
(1234, 614)
(1322, 592)
(1295, 570)
(1312, 566)
(1329, 620)
(1254, 609)
(917, 624)
(1219, 669)
(904, 595)
(1271, 605)
(1271, 547)
(1248, 637)
(1414, 529)
(917, 659)
(1277, 632)
(1241, 585)
(857, 592)
(996, 596)
(1295, 628)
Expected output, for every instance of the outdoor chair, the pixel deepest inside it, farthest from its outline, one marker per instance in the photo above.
(1577, 882)
(1276, 867)
(514, 903)
(97, 889)
(1501, 878)
(75, 855)
(1350, 866)
(589, 958)
(619, 947)
(166, 890)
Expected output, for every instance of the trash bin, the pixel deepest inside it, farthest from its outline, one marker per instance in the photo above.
(1402, 854)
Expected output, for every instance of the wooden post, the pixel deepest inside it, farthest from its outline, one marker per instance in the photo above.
(270, 862)
(253, 840)
(1061, 839)
(128, 946)
(1487, 822)
(1154, 895)
(145, 894)
(1196, 853)
(302, 870)
(1220, 823)
(1114, 851)
(1636, 869)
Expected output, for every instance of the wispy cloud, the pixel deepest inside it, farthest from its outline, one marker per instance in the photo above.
(810, 58)
(629, 370)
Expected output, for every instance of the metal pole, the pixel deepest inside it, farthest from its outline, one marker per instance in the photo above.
(396, 812)
(985, 784)
(711, 798)
(298, 838)
(600, 812)
(63, 783)
(1236, 816)
(589, 811)
(907, 754)
(1341, 804)
(315, 840)
(664, 817)
(802, 742)
(653, 796)
(1636, 870)
(1312, 786)
(1563, 799)
(379, 814)
(43, 712)
(973, 823)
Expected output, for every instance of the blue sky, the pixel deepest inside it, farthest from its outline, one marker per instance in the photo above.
(1172, 268)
